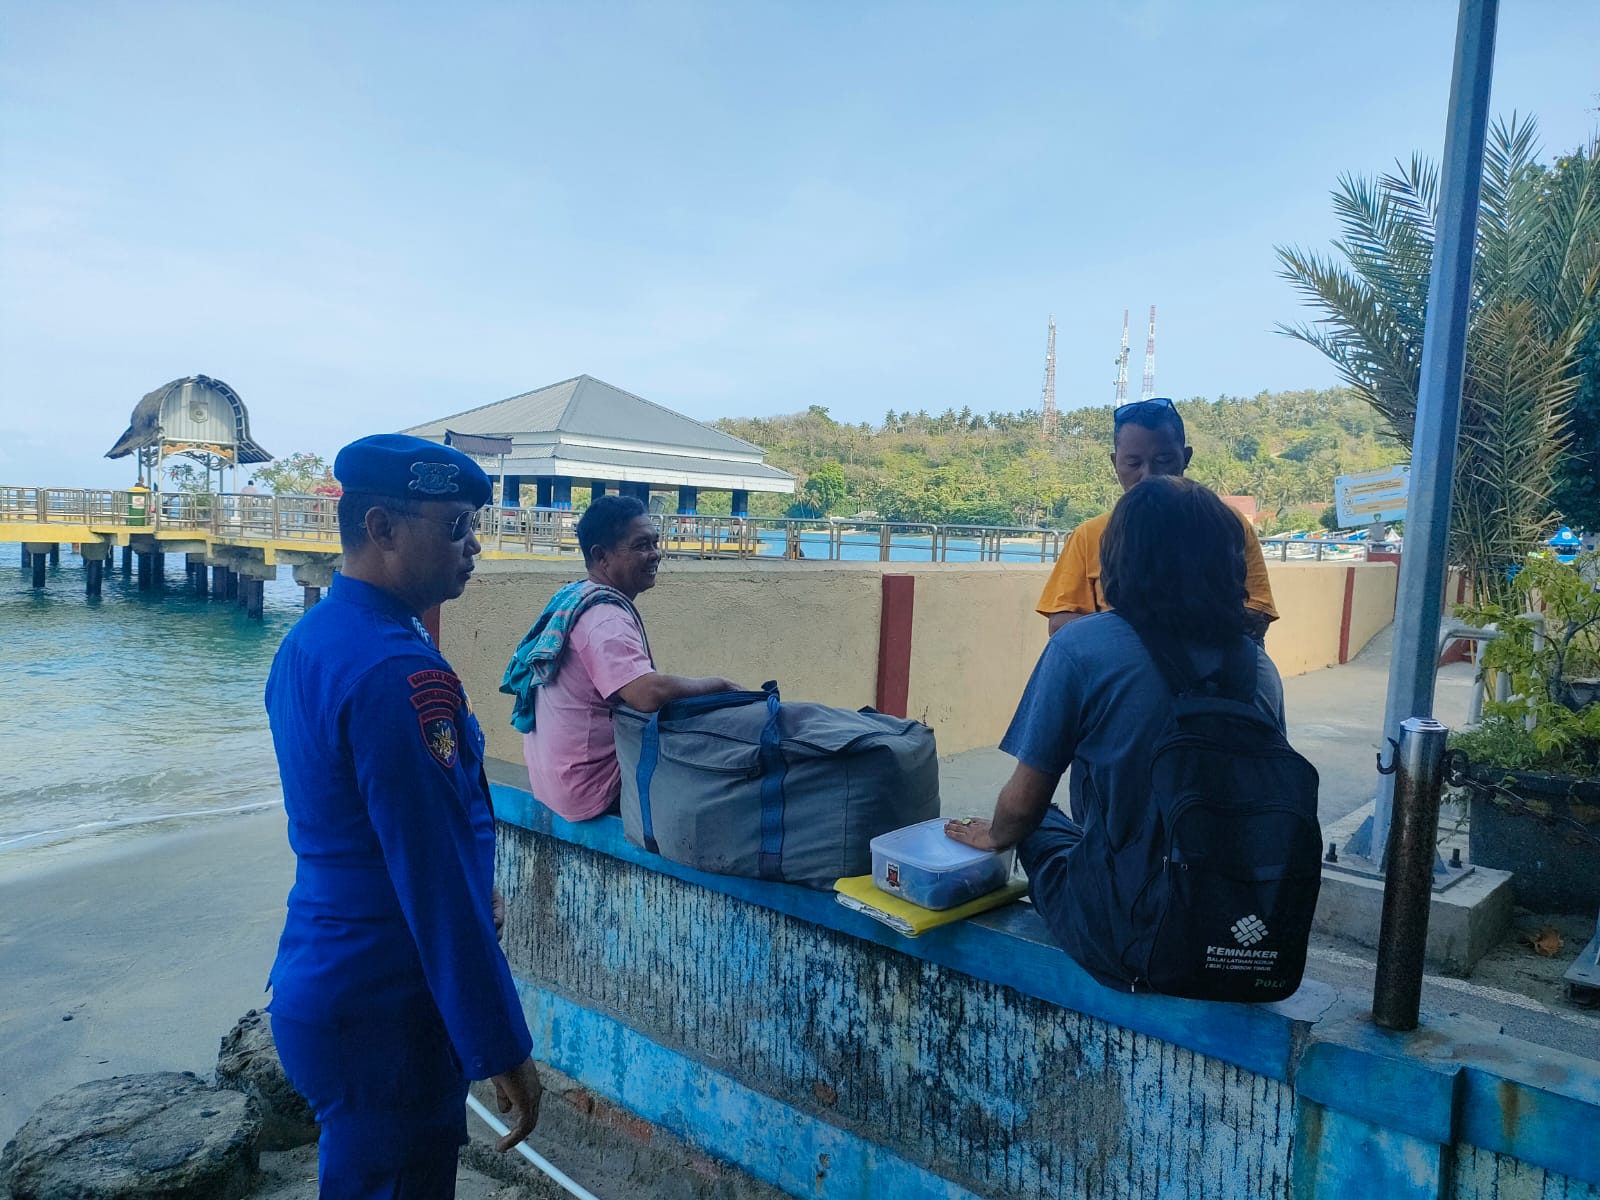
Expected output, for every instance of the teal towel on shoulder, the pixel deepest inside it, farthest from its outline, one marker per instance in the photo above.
(538, 655)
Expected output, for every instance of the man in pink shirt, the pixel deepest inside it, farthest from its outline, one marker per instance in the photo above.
(571, 751)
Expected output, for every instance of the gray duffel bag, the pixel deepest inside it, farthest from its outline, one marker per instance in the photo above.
(738, 783)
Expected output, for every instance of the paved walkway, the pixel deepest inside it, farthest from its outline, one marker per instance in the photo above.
(1334, 719)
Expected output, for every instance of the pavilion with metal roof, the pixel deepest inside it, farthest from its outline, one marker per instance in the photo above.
(588, 432)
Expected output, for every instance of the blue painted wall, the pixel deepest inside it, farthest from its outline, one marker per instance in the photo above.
(828, 1056)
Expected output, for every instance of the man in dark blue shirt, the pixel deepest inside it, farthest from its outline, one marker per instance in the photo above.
(390, 990)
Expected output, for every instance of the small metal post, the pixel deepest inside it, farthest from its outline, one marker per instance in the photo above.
(1408, 886)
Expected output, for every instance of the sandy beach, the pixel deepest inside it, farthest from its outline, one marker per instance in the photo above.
(135, 953)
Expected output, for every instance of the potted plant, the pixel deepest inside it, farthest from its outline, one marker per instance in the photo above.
(1531, 768)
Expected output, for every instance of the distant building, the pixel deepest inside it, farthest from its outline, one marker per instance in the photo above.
(586, 432)
(1247, 507)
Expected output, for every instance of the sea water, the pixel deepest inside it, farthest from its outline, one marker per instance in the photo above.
(134, 710)
(141, 710)
(862, 546)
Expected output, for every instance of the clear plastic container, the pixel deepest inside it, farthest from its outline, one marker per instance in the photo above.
(920, 864)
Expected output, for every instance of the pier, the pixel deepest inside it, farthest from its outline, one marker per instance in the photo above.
(232, 542)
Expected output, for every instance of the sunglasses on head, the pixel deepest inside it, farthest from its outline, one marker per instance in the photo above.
(1122, 412)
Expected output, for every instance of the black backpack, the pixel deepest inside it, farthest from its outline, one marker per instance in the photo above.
(1212, 893)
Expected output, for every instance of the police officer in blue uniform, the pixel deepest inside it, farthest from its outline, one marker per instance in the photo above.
(390, 989)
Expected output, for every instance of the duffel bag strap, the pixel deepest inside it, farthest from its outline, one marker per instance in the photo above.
(699, 706)
(649, 751)
(772, 771)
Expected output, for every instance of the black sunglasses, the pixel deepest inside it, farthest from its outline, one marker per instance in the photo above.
(1122, 412)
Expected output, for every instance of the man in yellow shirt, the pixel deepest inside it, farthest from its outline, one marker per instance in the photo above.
(1147, 439)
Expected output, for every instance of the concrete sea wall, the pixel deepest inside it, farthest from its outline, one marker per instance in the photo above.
(953, 648)
(830, 1057)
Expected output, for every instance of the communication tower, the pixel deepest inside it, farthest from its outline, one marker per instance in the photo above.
(1048, 421)
(1122, 363)
(1150, 358)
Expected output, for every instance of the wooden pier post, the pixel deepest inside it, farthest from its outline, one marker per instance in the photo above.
(41, 560)
(146, 570)
(313, 577)
(231, 590)
(158, 570)
(127, 561)
(219, 582)
(94, 555)
(255, 598)
(55, 554)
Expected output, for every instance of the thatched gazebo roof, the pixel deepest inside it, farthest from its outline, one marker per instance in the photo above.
(145, 426)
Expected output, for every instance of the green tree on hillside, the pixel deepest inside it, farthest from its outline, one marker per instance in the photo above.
(826, 488)
(996, 468)
(1535, 281)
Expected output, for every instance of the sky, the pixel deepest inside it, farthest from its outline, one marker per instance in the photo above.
(363, 216)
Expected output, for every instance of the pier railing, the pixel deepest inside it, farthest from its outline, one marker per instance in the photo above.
(314, 519)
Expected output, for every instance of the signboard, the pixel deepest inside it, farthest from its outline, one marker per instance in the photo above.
(1372, 495)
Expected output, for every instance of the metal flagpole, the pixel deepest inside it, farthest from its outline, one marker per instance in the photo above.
(1424, 563)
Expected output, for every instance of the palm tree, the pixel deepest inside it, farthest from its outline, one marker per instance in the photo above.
(1535, 294)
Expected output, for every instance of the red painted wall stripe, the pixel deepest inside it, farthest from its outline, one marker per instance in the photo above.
(430, 622)
(894, 644)
(1344, 617)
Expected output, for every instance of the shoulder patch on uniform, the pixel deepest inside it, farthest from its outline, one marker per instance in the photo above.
(440, 736)
(437, 697)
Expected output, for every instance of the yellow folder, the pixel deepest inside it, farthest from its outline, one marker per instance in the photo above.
(859, 894)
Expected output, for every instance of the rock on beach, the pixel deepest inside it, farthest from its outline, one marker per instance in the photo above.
(169, 1134)
(248, 1062)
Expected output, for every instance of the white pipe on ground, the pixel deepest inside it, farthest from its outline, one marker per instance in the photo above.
(529, 1153)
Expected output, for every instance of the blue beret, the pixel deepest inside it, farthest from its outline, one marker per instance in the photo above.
(410, 468)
